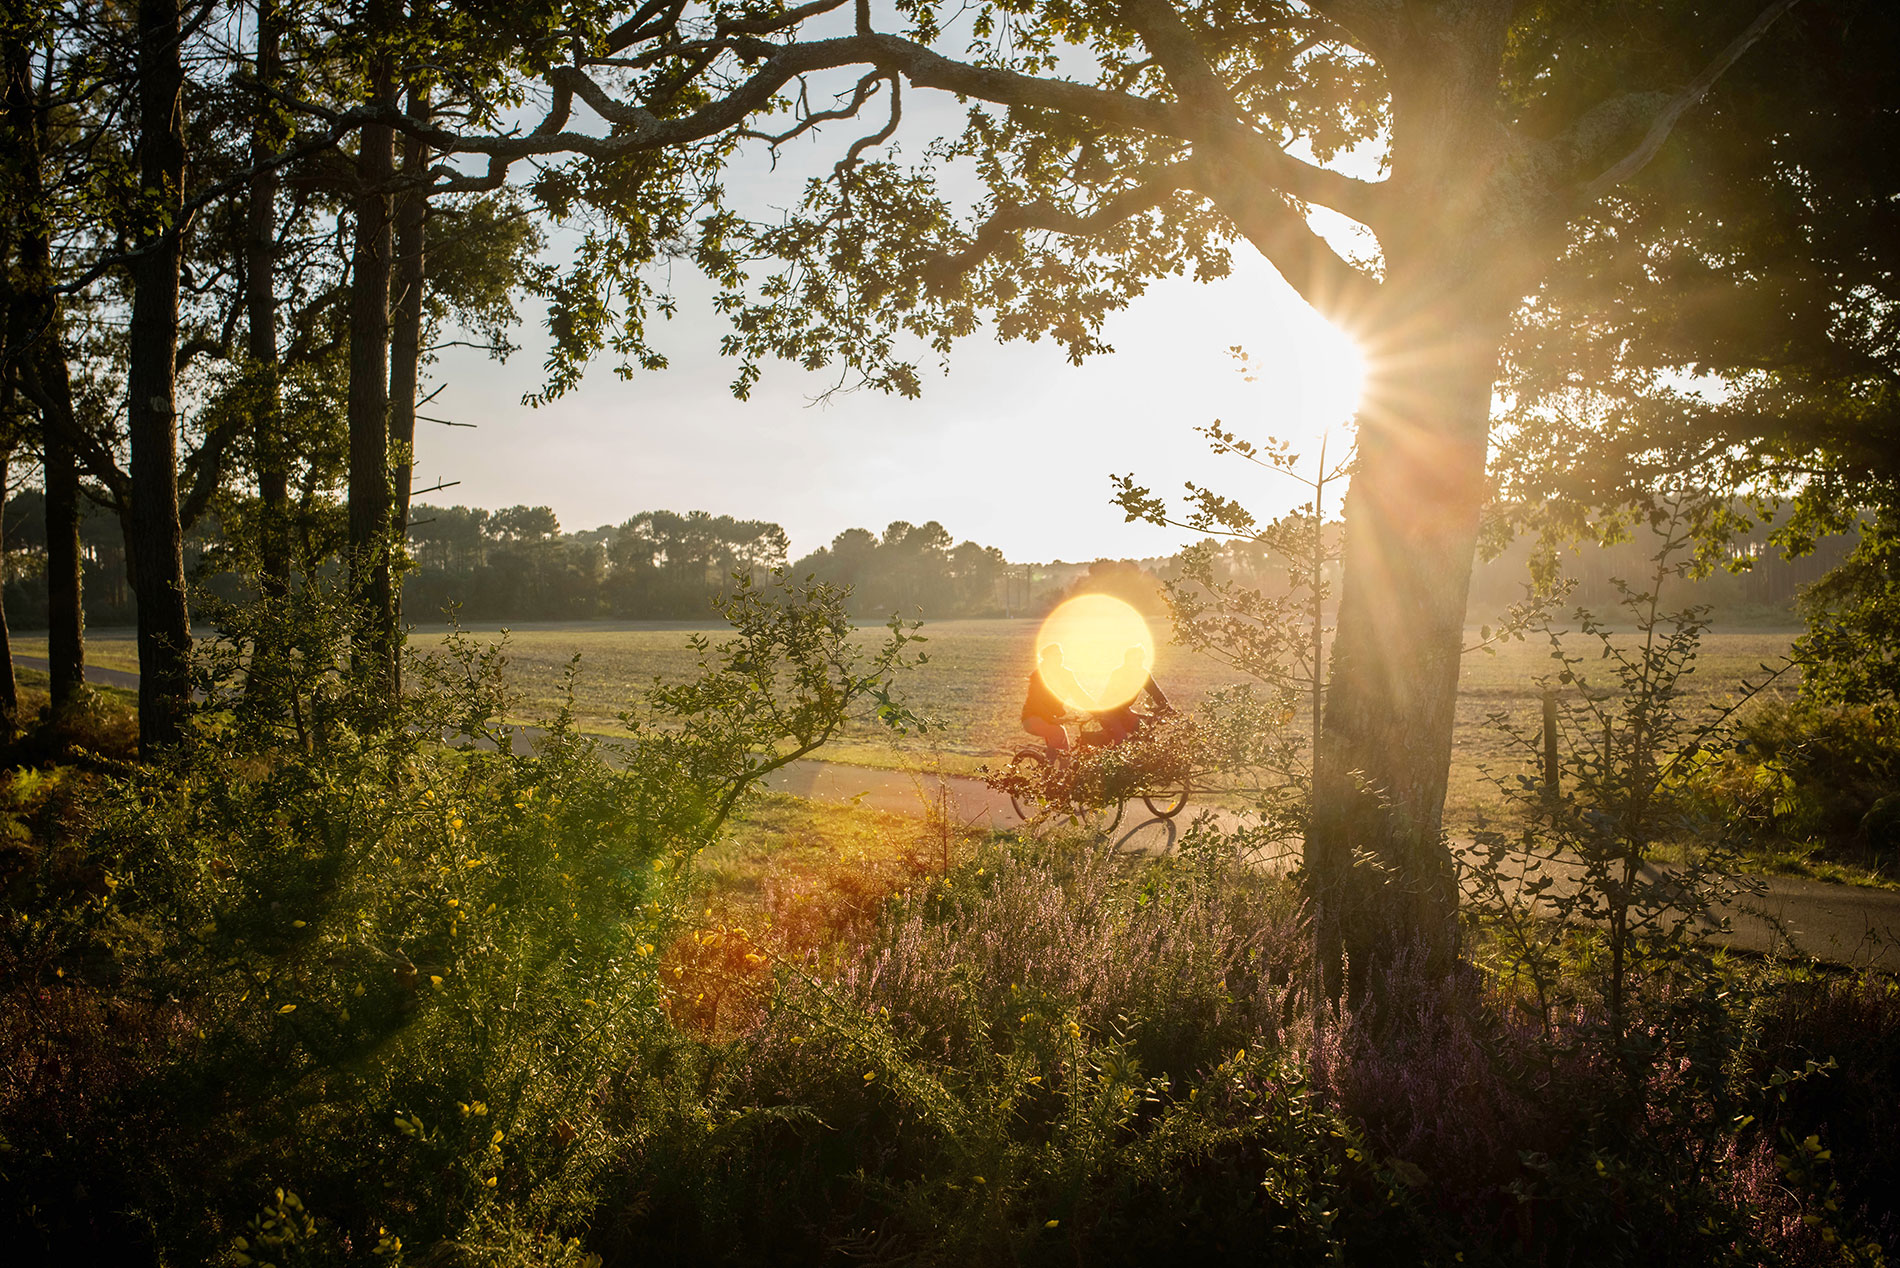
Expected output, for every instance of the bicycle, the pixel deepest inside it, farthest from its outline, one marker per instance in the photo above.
(1037, 770)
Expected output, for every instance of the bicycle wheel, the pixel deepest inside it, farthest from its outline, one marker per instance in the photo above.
(1026, 807)
(1101, 819)
(1166, 805)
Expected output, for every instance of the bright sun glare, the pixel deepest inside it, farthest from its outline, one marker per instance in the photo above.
(1096, 632)
(1330, 371)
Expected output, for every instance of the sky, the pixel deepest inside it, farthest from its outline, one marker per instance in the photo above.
(1012, 447)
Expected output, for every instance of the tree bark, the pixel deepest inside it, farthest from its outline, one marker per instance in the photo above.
(273, 474)
(373, 649)
(37, 358)
(9, 688)
(1478, 221)
(405, 343)
(1385, 884)
(155, 542)
(65, 561)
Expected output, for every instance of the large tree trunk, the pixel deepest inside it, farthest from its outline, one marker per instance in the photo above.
(1455, 267)
(405, 341)
(1384, 882)
(38, 358)
(373, 649)
(273, 472)
(155, 542)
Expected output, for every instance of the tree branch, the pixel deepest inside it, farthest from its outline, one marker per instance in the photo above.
(1008, 222)
(1265, 216)
(1666, 118)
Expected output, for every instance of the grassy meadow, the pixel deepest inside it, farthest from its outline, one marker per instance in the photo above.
(972, 686)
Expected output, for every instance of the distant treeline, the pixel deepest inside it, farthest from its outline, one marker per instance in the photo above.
(516, 564)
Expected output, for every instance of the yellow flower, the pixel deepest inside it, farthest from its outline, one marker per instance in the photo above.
(1051, 1223)
(288, 1008)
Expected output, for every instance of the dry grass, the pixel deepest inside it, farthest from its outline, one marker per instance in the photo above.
(797, 880)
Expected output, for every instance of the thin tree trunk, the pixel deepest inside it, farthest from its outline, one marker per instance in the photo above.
(9, 688)
(273, 475)
(65, 562)
(405, 343)
(373, 649)
(1385, 883)
(38, 359)
(155, 542)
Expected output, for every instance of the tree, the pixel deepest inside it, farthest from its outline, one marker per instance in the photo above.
(35, 362)
(1735, 312)
(1500, 124)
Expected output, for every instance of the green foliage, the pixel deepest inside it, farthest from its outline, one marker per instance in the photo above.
(1851, 652)
(1806, 773)
(343, 989)
(1732, 316)
(789, 679)
(1581, 850)
(1047, 1055)
(392, 976)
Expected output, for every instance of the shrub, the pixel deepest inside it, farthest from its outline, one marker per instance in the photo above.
(307, 990)
(1052, 1055)
(1804, 771)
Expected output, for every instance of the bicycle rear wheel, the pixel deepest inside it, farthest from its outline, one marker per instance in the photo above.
(1101, 819)
(1166, 805)
(1034, 762)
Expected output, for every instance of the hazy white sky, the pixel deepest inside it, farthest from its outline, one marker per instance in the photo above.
(1013, 447)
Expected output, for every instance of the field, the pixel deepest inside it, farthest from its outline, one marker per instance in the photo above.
(972, 686)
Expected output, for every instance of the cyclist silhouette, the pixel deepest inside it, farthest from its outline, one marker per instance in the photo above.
(1051, 686)
(1133, 685)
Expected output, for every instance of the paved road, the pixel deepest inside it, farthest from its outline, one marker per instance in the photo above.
(94, 675)
(1842, 924)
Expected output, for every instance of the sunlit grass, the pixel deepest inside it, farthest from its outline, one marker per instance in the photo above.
(973, 687)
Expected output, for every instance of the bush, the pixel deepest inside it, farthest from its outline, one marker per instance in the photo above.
(383, 978)
(1808, 772)
(1052, 1055)
(307, 991)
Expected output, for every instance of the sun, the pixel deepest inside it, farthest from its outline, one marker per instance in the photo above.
(1096, 632)
(1331, 375)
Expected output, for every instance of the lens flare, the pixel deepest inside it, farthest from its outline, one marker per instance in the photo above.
(1097, 635)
